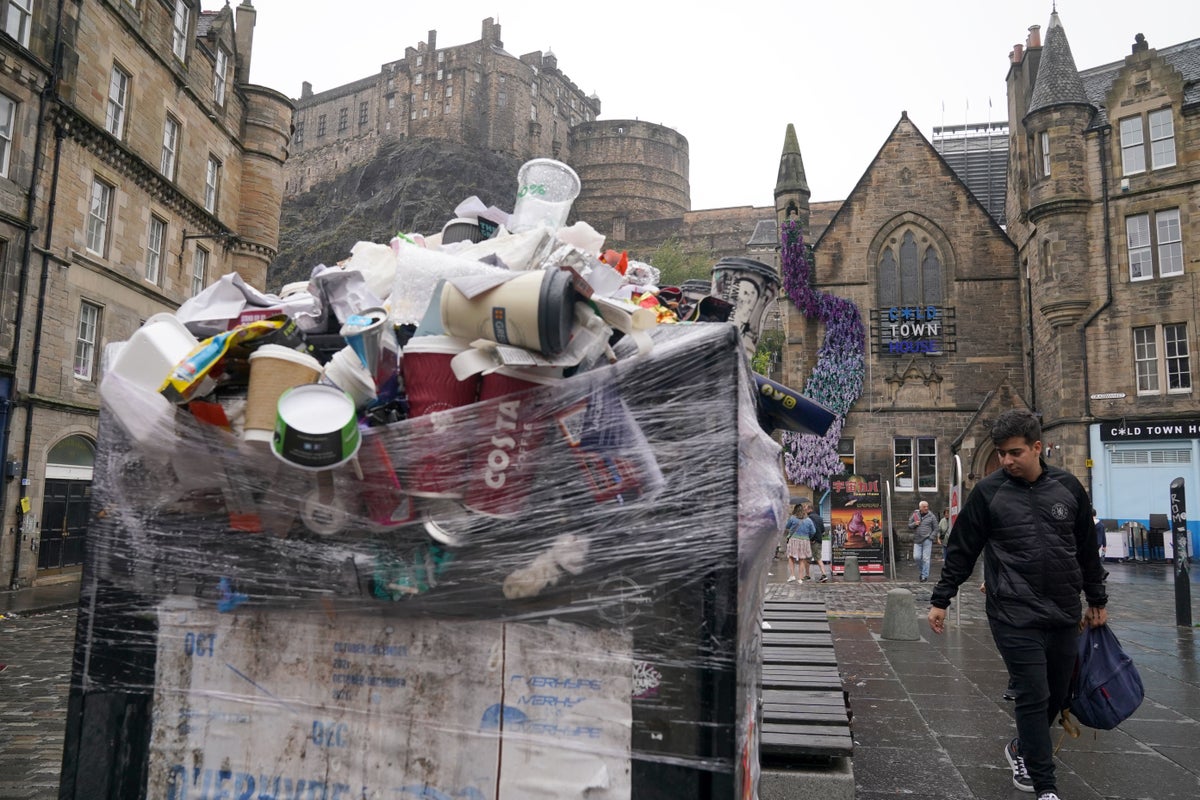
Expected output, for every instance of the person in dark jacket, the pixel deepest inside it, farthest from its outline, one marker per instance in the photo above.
(1033, 526)
(818, 539)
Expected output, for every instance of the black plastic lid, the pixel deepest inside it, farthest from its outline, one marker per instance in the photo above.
(556, 311)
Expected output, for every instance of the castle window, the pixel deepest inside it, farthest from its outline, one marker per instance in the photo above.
(413, 114)
(503, 80)
(909, 274)
(441, 56)
(420, 60)
(419, 79)
(362, 110)
(321, 125)
(533, 113)
(1161, 356)
(478, 77)
(502, 99)
(199, 270)
(441, 74)
(449, 91)
(156, 236)
(343, 119)
(425, 95)
(212, 184)
(1165, 246)
(298, 137)
(424, 113)
(170, 146)
(391, 104)
(446, 108)
(1044, 152)
(533, 88)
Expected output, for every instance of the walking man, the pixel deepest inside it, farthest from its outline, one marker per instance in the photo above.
(1032, 524)
(923, 523)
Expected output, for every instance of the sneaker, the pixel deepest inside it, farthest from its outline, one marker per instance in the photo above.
(1021, 778)
(1010, 694)
(1048, 796)
(791, 579)
(824, 579)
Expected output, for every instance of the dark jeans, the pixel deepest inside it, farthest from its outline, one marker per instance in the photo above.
(1040, 663)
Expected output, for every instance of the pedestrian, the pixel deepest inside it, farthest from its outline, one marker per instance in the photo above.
(799, 545)
(1101, 534)
(944, 527)
(1031, 523)
(923, 523)
(818, 538)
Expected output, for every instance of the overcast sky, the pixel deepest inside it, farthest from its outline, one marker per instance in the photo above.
(730, 76)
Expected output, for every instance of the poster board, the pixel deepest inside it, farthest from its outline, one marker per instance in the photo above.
(856, 520)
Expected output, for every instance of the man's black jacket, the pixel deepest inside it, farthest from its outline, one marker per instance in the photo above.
(1039, 549)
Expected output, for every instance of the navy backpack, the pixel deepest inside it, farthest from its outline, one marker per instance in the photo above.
(1107, 688)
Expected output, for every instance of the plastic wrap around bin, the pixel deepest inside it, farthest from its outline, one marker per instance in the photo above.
(602, 642)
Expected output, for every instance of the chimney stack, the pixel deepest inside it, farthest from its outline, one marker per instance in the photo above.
(1035, 37)
(305, 90)
(1018, 52)
(243, 38)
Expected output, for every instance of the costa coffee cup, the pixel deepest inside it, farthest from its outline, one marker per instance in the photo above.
(503, 464)
(432, 387)
(751, 286)
(315, 427)
(535, 310)
(273, 370)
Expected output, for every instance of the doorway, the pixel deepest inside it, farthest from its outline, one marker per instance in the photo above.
(66, 503)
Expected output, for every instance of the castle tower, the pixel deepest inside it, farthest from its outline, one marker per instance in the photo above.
(1053, 166)
(266, 129)
(791, 187)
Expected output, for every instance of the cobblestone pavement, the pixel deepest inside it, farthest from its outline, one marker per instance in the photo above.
(33, 702)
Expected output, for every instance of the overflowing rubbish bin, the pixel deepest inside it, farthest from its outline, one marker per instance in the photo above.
(446, 523)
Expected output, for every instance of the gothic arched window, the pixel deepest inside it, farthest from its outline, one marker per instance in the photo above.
(910, 270)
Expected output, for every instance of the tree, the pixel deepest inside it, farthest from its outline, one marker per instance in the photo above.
(676, 265)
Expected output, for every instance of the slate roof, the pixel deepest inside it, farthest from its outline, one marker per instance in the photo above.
(1058, 81)
(205, 23)
(765, 234)
(1183, 57)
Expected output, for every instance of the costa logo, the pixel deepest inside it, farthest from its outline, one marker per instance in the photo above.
(503, 443)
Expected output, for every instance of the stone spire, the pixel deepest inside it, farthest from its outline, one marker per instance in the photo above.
(791, 187)
(1057, 82)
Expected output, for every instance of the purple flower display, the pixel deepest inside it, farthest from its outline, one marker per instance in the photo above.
(837, 378)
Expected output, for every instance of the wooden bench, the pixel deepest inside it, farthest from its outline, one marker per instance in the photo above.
(805, 717)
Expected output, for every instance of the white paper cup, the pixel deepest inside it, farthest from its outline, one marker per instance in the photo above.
(535, 310)
(346, 371)
(315, 427)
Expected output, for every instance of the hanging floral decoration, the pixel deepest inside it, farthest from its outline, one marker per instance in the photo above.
(837, 378)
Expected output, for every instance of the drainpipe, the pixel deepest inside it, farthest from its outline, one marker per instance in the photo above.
(1108, 280)
(48, 94)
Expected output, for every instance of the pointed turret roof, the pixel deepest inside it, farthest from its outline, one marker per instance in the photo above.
(791, 166)
(1058, 81)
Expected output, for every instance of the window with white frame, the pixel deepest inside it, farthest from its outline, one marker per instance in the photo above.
(915, 463)
(17, 21)
(1044, 151)
(212, 181)
(170, 146)
(179, 30)
(87, 336)
(220, 76)
(1162, 138)
(1161, 126)
(156, 236)
(8, 121)
(199, 270)
(98, 216)
(418, 79)
(118, 98)
(1162, 359)
(1151, 238)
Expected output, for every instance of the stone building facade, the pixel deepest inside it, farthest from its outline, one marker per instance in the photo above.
(1083, 309)
(139, 166)
(476, 94)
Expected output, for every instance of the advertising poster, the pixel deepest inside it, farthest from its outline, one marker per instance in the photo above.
(856, 517)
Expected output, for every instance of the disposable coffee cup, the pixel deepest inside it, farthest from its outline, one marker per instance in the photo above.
(364, 334)
(315, 427)
(273, 370)
(545, 191)
(535, 310)
(432, 388)
(751, 287)
(429, 381)
(461, 230)
(503, 464)
(346, 371)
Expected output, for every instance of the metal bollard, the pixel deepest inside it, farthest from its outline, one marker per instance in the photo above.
(850, 570)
